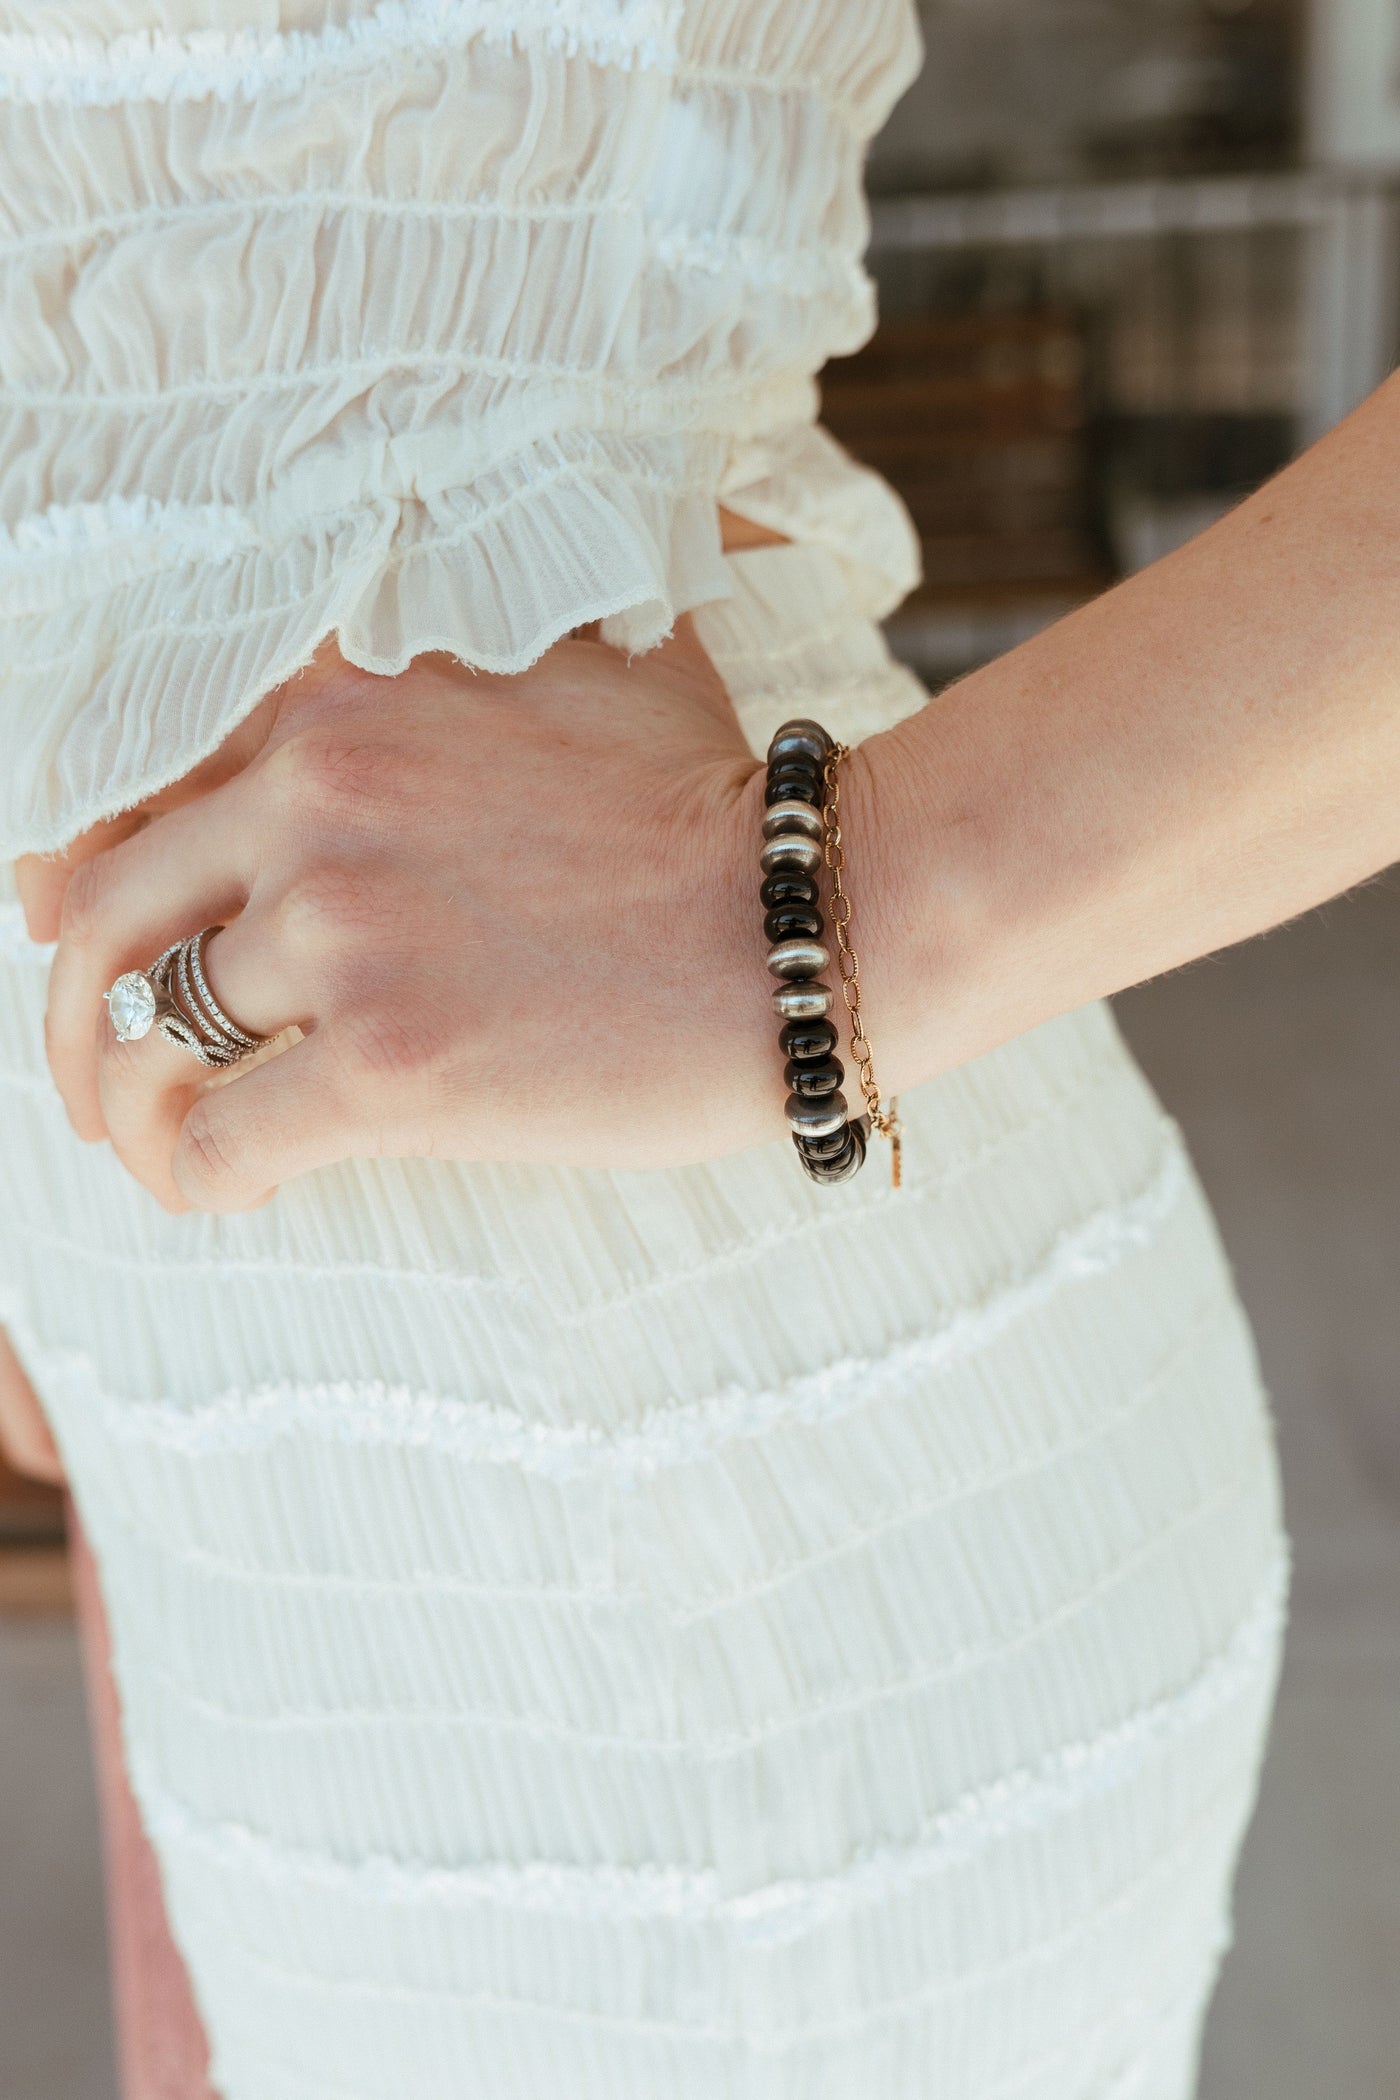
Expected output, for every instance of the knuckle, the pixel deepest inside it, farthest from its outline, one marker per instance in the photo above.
(328, 769)
(325, 905)
(393, 1045)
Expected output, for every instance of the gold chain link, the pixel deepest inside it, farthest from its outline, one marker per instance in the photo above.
(882, 1119)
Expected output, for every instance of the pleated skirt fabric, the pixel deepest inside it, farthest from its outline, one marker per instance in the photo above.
(593, 1636)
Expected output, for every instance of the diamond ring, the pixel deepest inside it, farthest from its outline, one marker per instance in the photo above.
(133, 1003)
(174, 996)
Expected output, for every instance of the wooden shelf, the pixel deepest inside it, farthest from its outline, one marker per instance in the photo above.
(1109, 211)
(33, 1552)
(35, 1579)
(943, 634)
(978, 420)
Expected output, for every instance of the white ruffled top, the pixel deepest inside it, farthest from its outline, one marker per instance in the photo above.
(433, 324)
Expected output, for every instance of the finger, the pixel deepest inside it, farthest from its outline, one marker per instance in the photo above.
(180, 872)
(281, 1118)
(147, 1088)
(25, 1436)
(42, 879)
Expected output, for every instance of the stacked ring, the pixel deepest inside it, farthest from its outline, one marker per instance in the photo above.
(174, 997)
(829, 1144)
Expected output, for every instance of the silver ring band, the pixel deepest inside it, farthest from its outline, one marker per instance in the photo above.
(192, 959)
(174, 996)
(212, 1037)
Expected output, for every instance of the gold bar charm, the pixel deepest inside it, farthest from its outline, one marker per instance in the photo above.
(886, 1121)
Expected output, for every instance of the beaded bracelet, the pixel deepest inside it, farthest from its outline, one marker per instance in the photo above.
(802, 834)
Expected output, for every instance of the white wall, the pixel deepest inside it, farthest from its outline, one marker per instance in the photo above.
(1353, 94)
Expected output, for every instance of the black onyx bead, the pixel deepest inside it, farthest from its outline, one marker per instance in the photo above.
(788, 886)
(799, 739)
(796, 768)
(792, 922)
(814, 1080)
(795, 787)
(807, 1039)
(817, 1150)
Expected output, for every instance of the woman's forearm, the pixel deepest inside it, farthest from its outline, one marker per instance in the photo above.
(1202, 753)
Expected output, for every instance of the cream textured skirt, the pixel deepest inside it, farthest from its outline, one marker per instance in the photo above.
(681, 1636)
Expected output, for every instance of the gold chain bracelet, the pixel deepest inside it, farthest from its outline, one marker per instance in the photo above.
(882, 1119)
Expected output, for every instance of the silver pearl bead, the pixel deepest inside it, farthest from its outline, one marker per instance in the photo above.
(798, 958)
(815, 1118)
(830, 1173)
(792, 816)
(806, 1000)
(791, 849)
(800, 739)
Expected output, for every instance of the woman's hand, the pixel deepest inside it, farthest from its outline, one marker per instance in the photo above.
(514, 918)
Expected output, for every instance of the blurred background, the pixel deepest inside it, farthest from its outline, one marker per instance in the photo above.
(1131, 255)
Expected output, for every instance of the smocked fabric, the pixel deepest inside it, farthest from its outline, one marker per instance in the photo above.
(432, 324)
(590, 1636)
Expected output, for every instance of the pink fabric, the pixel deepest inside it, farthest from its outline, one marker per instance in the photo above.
(162, 2053)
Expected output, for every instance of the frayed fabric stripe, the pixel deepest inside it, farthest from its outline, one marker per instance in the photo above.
(488, 1434)
(1018, 1801)
(144, 531)
(158, 67)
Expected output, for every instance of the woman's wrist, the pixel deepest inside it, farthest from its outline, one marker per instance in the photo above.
(1197, 755)
(942, 880)
(906, 920)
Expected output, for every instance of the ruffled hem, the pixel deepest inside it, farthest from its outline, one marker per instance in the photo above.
(801, 483)
(859, 58)
(195, 616)
(194, 613)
